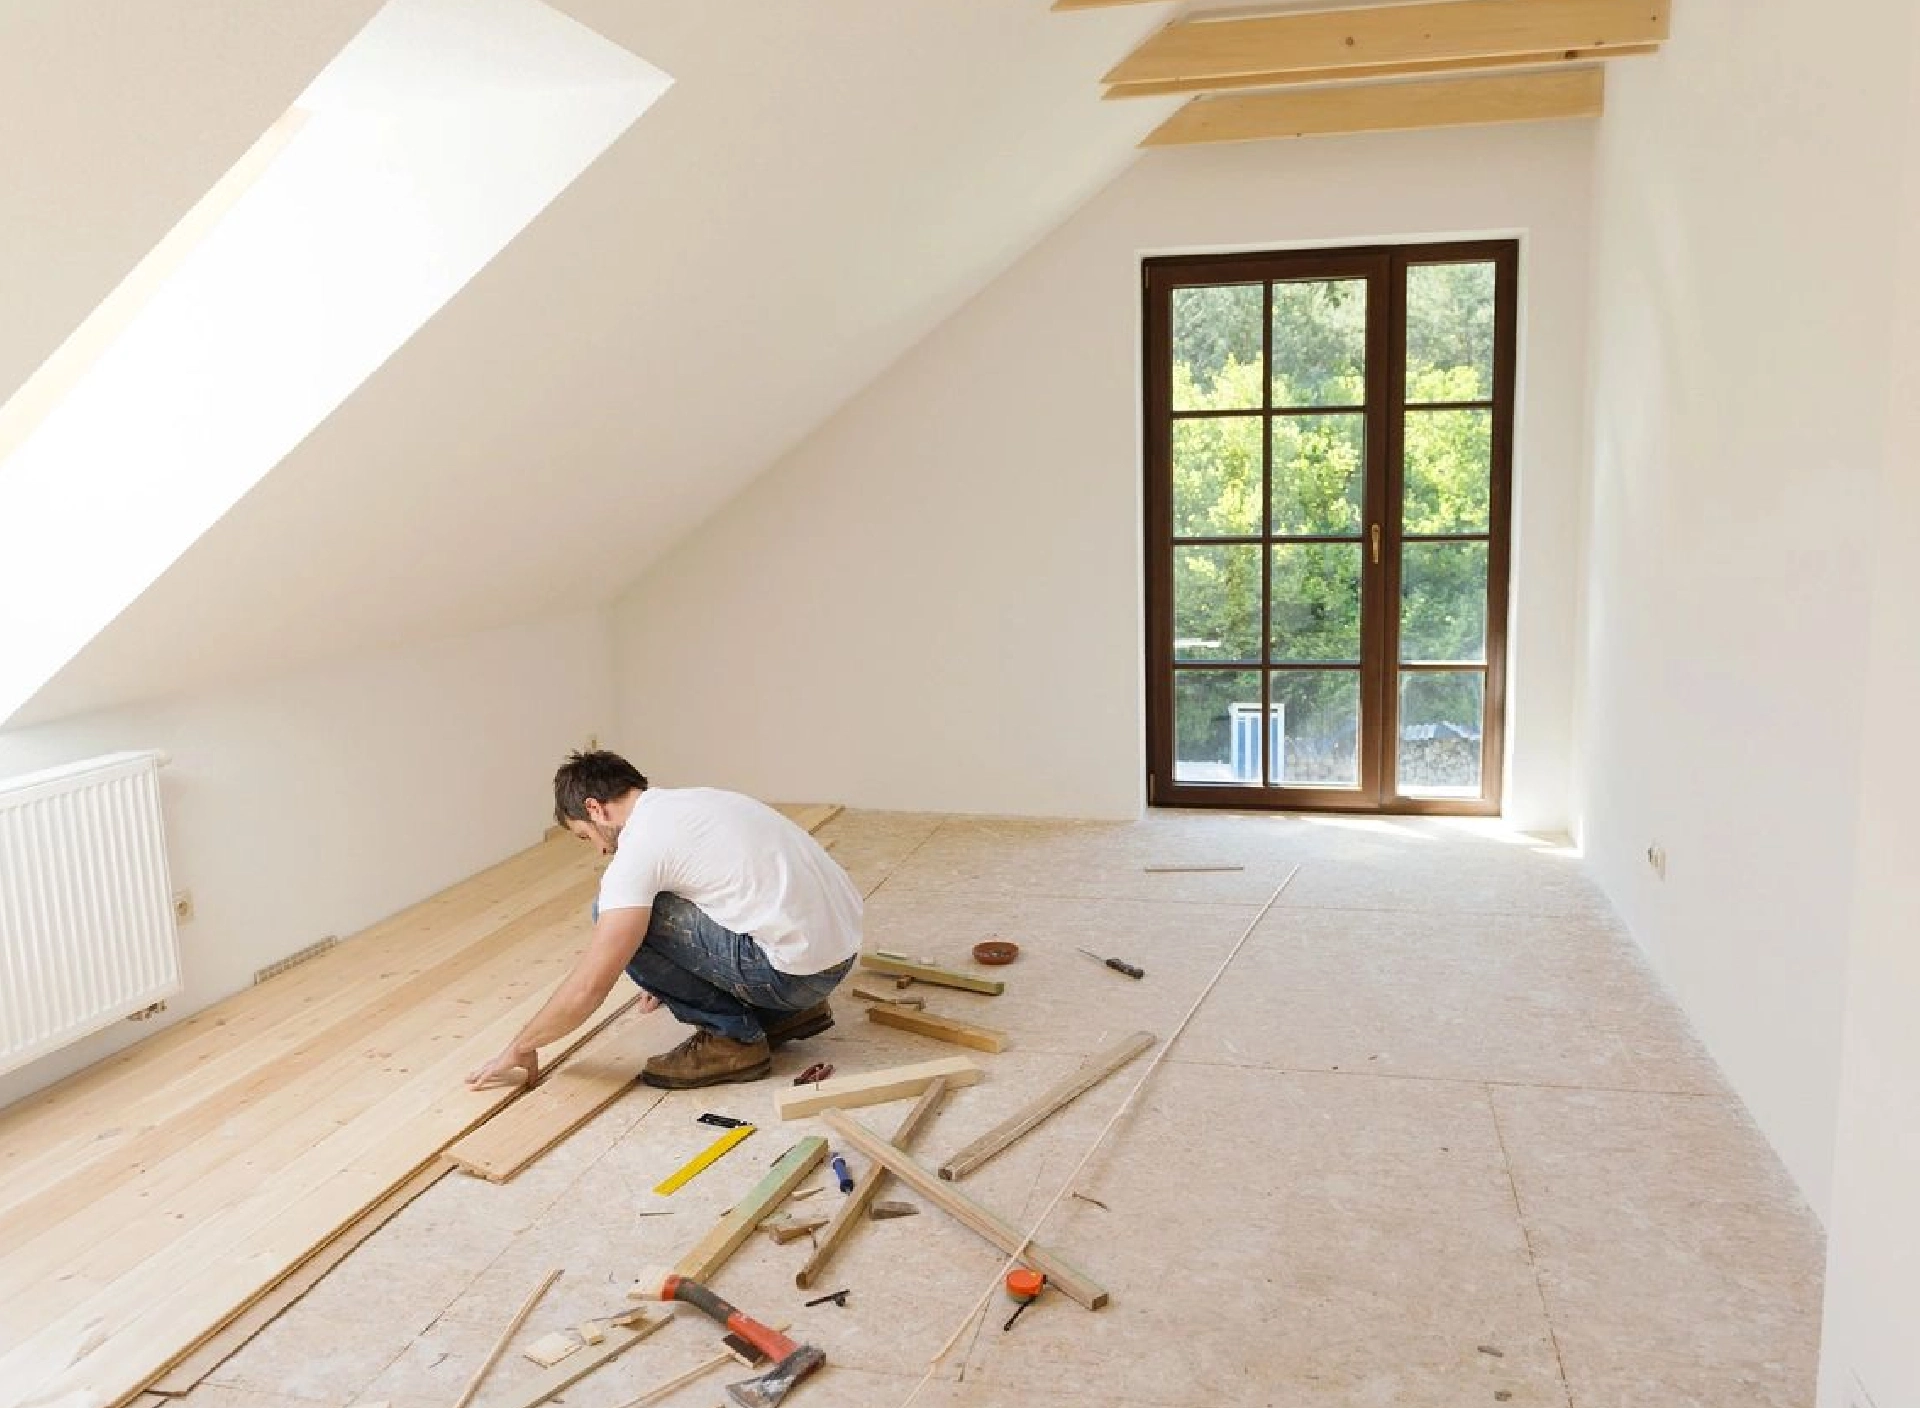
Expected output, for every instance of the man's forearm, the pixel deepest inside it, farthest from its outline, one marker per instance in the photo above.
(566, 1009)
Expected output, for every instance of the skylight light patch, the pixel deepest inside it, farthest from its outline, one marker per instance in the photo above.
(433, 138)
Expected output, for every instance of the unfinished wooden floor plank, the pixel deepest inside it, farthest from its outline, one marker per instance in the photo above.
(947, 1029)
(594, 1077)
(185, 1173)
(1049, 1103)
(214, 1350)
(223, 1053)
(182, 1293)
(809, 816)
(1076, 1284)
(874, 1087)
(711, 1252)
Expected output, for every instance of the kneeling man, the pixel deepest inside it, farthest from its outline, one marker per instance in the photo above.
(714, 904)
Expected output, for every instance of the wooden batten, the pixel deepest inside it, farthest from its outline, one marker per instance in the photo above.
(1385, 107)
(1558, 58)
(1388, 34)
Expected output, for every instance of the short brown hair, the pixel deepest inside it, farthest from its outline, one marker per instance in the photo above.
(599, 776)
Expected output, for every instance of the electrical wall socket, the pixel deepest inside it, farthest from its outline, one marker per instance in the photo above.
(1657, 858)
(183, 906)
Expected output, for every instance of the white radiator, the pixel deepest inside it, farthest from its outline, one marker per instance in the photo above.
(86, 907)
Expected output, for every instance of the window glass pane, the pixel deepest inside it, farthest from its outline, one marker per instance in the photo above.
(1216, 347)
(1316, 602)
(1449, 332)
(1320, 343)
(1319, 473)
(1440, 718)
(1315, 725)
(1206, 745)
(1216, 603)
(1216, 477)
(1443, 602)
(1449, 464)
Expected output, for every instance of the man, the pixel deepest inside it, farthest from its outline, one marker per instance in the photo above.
(714, 904)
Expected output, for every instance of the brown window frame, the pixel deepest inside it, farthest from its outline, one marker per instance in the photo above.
(1385, 267)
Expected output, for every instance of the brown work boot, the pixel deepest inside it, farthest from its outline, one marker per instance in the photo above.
(707, 1058)
(808, 1021)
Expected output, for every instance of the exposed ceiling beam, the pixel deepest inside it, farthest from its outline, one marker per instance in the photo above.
(1385, 107)
(1388, 34)
(1322, 75)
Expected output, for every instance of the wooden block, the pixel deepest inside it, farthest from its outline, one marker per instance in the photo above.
(1056, 1098)
(712, 1251)
(888, 999)
(1076, 1284)
(927, 973)
(564, 1376)
(793, 1227)
(874, 1087)
(591, 1331)
(884, 1210)
(550, 1349)
(940, 1028)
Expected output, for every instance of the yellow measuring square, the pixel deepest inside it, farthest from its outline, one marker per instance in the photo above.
(703, 1158)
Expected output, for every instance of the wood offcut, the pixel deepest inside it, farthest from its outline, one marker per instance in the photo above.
(1049, 1103)
(874, 1087)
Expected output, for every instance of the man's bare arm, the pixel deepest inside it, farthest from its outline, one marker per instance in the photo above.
(617, 935)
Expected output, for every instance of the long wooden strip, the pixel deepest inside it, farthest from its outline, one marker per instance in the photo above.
(1053, 1100)
(687, 1376)
(222, 1345)
(1076, 1284)
(575, 1367)
(1292, 77)
(711, 1252)
(867, 1186)
(1388, 34)
(927, 973)
(1386, 107)
(873, 1087)
(601, 1072)
(940, 1028)
(506, 1338)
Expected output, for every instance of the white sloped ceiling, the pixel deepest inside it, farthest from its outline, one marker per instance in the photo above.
(825, 182)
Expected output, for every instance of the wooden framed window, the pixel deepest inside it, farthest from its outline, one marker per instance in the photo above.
(1328, 458)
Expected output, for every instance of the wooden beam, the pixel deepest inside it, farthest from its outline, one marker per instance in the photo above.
(1294, 77)
(940, 1028)
(873, 1087)
(1385, 107)
(506, 1338)
(1073, 1282)
(867, 1185)
(1056, 1098)
(1388, 34)
(927, 973)
(712, 1251)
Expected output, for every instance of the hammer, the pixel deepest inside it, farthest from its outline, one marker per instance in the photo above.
(791, 1362)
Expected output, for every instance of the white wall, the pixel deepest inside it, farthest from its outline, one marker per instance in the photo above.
(935, 601)
(1873, 1272)
(320, 802)
(1745, 208)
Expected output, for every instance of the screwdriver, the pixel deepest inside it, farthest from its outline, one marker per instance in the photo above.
(1119, 965)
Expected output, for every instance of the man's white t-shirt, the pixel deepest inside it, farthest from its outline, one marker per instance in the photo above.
(746, 866)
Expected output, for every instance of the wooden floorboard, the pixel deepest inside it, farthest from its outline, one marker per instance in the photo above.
(148, 1203)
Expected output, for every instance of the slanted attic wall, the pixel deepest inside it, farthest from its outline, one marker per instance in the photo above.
(935, 601)
(319, 802)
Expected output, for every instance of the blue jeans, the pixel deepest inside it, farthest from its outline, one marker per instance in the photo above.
(711, 977)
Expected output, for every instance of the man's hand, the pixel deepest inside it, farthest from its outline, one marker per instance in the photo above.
(499, 1071)
(647, 1003)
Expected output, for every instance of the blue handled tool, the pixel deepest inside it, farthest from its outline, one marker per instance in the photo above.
(840, 1172)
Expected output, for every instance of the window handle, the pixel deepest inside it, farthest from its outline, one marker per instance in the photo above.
(1376, 545)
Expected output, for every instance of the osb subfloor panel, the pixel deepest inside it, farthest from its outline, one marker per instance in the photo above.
(1436, 1139)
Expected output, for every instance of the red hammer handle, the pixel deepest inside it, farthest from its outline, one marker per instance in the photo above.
(764, 1338)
